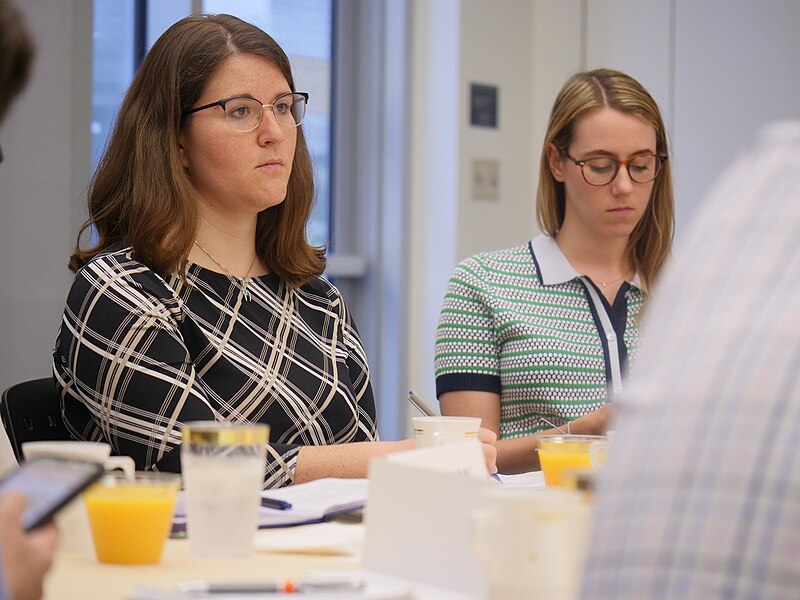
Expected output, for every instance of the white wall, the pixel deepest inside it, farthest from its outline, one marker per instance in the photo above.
(44, 174)
(499, 56)
(719, 69)
(736, 68)
(43, 178)
(434, 178)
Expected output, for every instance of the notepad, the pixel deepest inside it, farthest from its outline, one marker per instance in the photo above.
(313, 502)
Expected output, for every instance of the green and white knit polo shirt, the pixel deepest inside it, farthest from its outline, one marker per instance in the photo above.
(524, 324)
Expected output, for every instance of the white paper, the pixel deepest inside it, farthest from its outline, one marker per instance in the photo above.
(418, 520)
(531, 479)
(321, 539)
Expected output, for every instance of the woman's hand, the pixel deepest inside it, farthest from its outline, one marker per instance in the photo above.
(595, 422)
(488, 439)
(26, 556)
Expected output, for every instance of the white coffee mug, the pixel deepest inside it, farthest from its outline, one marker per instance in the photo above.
(96, 452)
(73, 523)
(435, 431)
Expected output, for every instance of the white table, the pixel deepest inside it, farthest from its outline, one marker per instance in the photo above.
(77, 575)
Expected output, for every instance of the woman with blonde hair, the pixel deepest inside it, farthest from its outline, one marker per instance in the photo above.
(541, 335)
(200, 298)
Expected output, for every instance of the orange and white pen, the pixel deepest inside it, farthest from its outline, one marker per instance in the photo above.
(272, 587)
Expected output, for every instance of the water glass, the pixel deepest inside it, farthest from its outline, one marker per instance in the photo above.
(223, 472)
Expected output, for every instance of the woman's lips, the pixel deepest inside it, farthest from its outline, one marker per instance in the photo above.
(276, 164)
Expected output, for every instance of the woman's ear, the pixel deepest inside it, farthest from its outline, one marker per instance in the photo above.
(182, 150)
(555, 161)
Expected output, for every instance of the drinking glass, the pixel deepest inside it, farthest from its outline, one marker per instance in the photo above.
(130, 519)
(223, 472)
(558, 453)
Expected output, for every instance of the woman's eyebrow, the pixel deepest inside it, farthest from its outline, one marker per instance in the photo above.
(606, 153)
(249, 95)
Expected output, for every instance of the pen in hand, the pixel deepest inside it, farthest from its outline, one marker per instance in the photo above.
(421, 405)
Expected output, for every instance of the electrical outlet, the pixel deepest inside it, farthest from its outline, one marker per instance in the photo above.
(485, 179)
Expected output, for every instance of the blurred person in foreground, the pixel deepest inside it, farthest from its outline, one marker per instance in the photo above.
(200, 299)
(700, 498)
(24, 557)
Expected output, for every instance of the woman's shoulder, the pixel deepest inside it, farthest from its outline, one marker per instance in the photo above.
(320, 295)
(320, 288)
(116, 269)
(494, 263)
(116, 262)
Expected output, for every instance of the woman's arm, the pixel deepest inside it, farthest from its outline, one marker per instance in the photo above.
(352, 460)
(124, 370)
(342, 460)
(516, 457)
(519, 454)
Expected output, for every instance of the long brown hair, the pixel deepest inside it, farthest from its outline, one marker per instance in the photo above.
(142, 196)
(650, 242)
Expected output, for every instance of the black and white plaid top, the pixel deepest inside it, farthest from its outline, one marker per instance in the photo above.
(137, 355)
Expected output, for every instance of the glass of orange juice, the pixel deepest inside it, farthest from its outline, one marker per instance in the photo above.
(558, 453)
(130, 519)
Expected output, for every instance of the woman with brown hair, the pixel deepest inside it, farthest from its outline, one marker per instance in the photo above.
(201, 298)
(541, 335)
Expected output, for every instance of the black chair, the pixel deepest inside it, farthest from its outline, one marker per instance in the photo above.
(31, 411)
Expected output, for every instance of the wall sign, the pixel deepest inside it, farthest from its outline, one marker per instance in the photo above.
(483, 105)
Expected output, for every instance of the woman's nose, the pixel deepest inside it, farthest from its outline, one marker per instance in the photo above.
(622, 182)
(269, 129)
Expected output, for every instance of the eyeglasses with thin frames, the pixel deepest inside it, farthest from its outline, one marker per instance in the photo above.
(642, 168)
(244, 113)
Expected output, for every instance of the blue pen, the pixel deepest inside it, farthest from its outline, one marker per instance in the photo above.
(496, 477)
(276, 504)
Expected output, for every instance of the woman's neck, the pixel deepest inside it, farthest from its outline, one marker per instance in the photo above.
(227, 246)
(601, 259)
